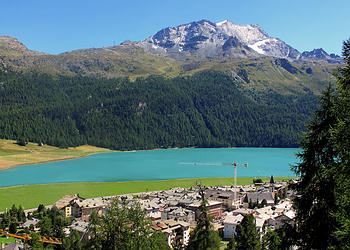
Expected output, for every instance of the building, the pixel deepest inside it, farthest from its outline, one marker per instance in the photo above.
(28, 223)
(177, 232)
(83, 208)
(280, 220)
(151, 206)
(230, 224)
(226, 197)
(215, 208)
(259, 197)
(12, 246)
(65, 203)
(178, 214)
(242, 211)
(82, 228)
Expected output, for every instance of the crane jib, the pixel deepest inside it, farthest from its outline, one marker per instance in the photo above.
(213, 164)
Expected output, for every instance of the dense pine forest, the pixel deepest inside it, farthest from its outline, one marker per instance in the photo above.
(207, 109)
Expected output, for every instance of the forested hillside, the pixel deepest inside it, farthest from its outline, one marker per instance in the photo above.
(203, 110)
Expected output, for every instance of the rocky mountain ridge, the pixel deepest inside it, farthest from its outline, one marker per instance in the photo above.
(205, 39)
(320, 54)
(200, 40)
(11, 44)
(238, 50)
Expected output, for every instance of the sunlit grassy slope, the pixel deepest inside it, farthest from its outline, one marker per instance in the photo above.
(11, 154)
(267, 75)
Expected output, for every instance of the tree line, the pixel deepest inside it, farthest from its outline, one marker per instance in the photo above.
(203, 110)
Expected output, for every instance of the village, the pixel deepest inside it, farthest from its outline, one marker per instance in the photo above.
(174, 211)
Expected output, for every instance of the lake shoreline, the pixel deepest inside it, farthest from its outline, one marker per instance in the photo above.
(153, 165)
(13, 155)
(5, 167)
(10, 166)
(55, 160)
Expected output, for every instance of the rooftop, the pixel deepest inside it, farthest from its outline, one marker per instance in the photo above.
(65, 200)
(233, 219)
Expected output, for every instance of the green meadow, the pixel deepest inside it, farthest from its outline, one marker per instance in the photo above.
(32, 195)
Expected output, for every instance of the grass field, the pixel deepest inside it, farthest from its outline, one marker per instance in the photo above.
(12, 154)
(33, 195)
(6, 240)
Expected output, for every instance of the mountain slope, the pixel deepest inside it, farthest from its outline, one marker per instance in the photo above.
(205, 39)
(200, 84)
(263, 75)
(257, 39)
(320, 54)
(115, 61)
(207, 109)
(15, 48)
(255, 74)
(245, 52)
(201, 39)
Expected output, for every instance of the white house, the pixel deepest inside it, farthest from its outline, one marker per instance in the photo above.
(230, 224)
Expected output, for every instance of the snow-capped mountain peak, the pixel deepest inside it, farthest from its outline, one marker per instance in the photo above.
(248, 34)
(214, 40)
(222, 22)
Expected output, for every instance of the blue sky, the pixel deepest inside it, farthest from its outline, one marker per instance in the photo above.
(57, 26)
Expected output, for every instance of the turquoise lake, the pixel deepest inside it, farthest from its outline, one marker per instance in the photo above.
(156, 165)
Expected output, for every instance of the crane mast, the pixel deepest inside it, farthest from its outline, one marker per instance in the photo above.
(234, 164)
(235, 182)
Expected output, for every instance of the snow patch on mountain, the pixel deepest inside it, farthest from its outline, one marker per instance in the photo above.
(221, 23)
(256, 45)
(223, 39)
(248, 34)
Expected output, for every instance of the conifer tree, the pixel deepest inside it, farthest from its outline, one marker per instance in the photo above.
(317, 199)
(323, 204)
(72, 242)
(124, 226)
(247, 236)
(341, 138)
(271, 240)
(203, 236)
(35, 242)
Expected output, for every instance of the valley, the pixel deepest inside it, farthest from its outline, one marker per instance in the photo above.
(130, 97)
(250, 123)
